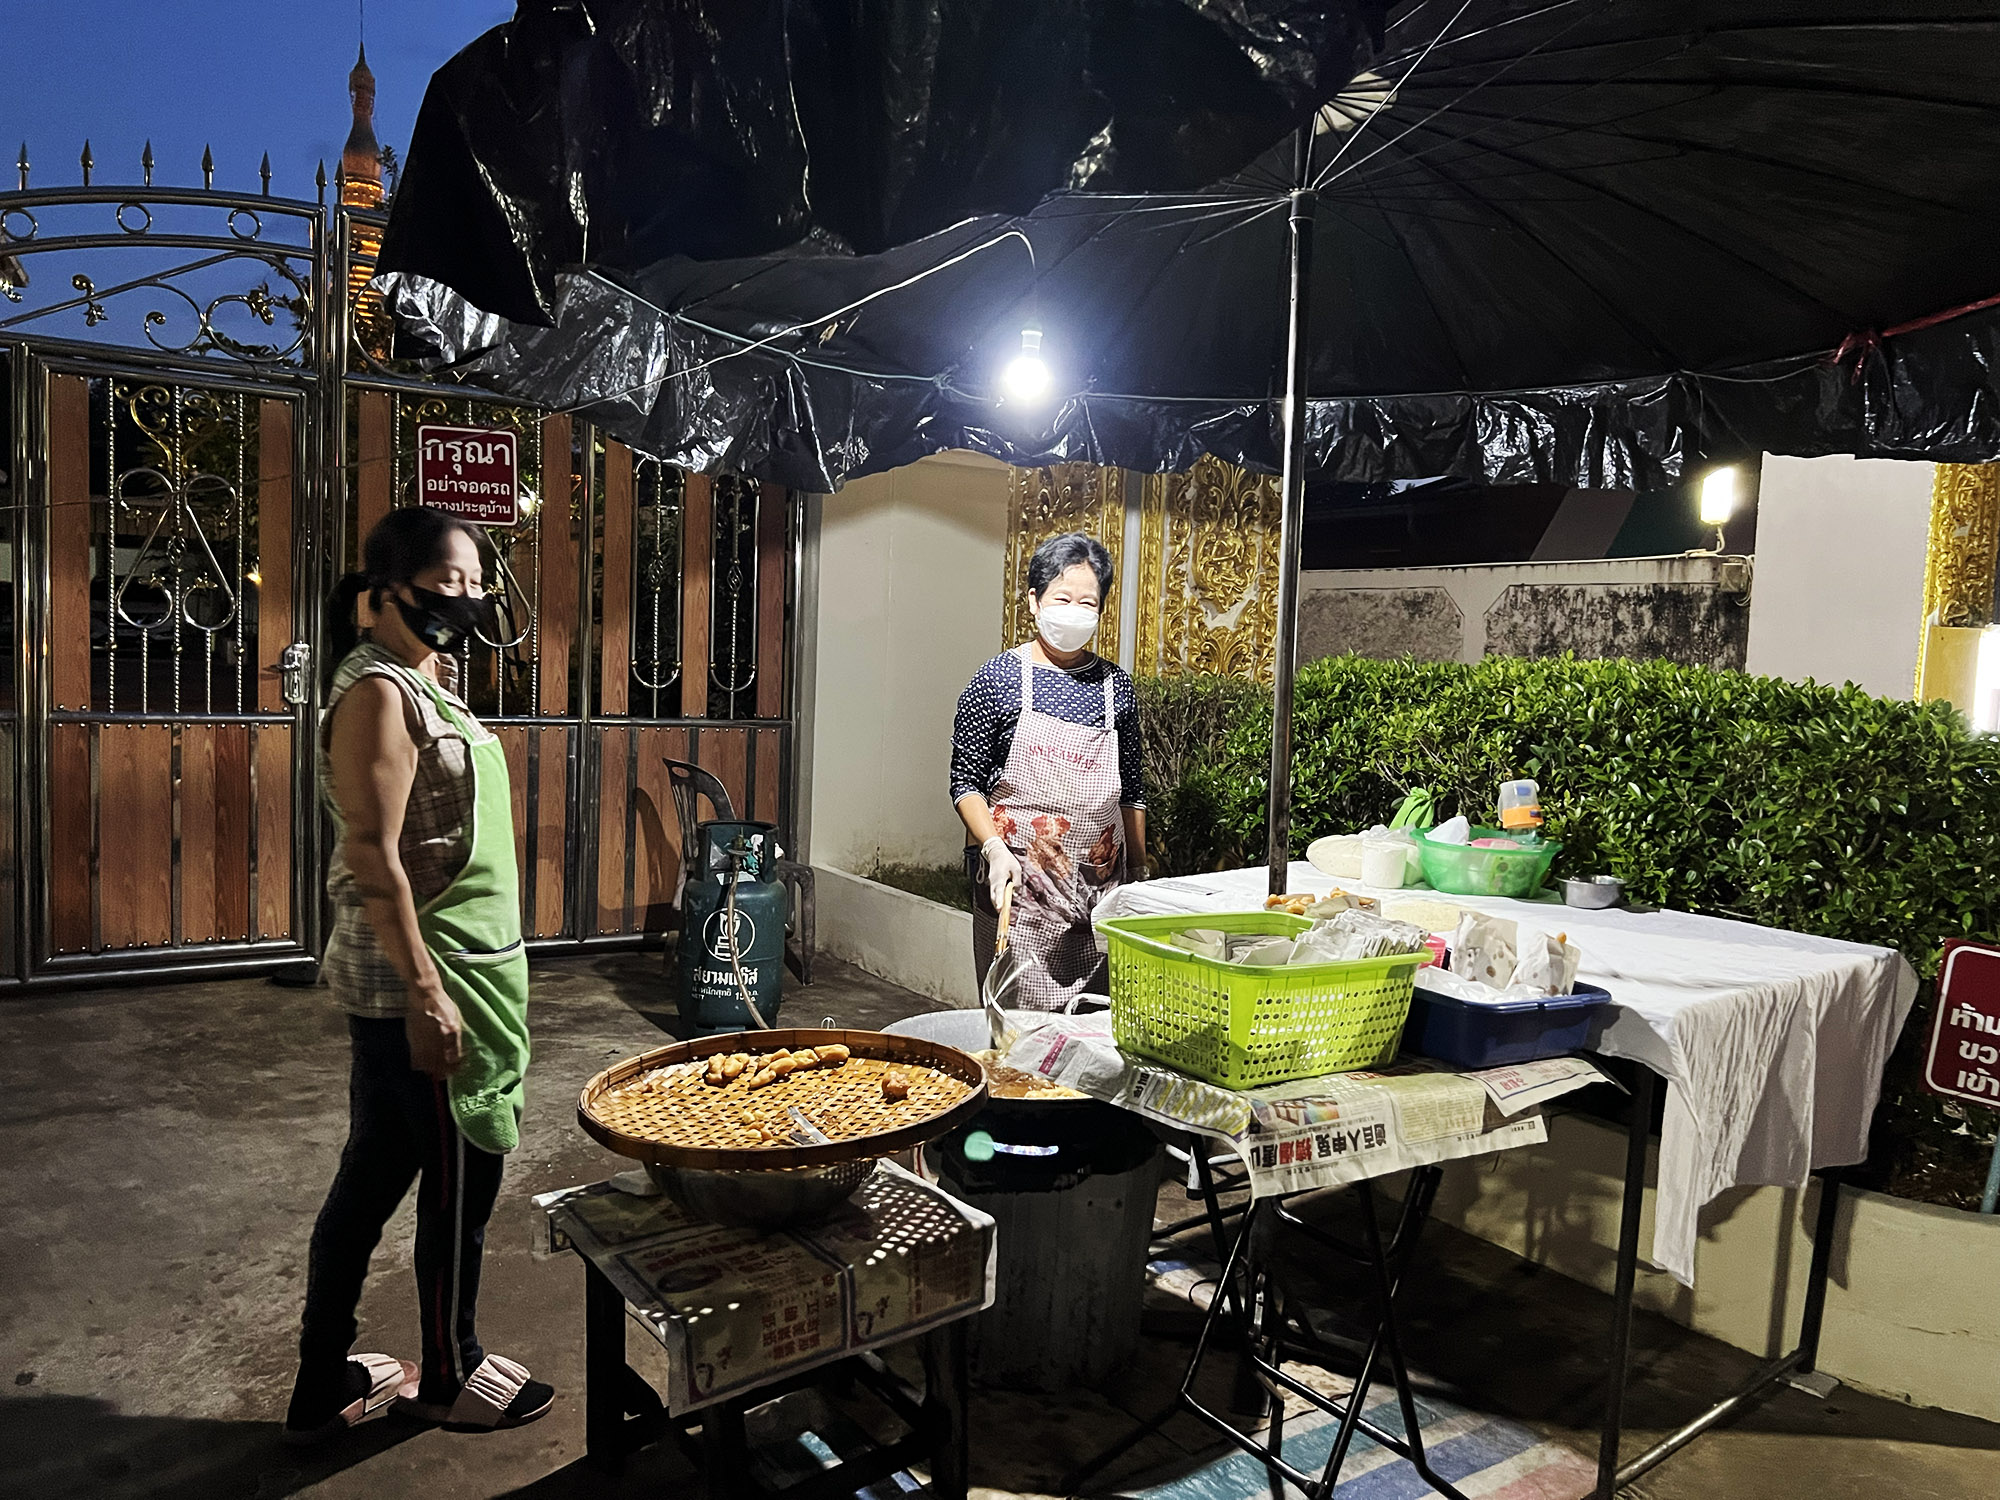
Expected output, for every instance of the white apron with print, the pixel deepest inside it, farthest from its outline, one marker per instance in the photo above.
(1057, 807)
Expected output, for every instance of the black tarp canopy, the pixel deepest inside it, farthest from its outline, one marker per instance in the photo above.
(1576, 241)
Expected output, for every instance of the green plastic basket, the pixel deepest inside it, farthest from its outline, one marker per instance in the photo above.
(1460, 870)
(1244, 1025)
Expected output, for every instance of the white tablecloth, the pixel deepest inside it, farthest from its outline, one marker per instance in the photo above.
(1772, 1043)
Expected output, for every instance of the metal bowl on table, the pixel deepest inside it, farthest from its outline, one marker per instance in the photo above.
(762, 1200)
(1593, 892)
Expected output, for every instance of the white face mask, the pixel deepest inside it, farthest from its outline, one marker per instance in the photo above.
(1066, 627)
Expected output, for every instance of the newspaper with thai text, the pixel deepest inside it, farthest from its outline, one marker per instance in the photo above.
(733, 1308)
(1314, 1132)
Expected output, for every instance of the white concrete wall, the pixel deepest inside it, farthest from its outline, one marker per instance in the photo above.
(909, 607)
(1457, 630)
(897, 936)
(1840, 571)
(1905, 1311)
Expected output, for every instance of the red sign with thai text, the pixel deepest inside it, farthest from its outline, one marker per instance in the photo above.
(1964, 1057)
(469, 472)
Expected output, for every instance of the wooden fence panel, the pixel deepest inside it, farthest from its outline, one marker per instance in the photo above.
(551, 824)
(275, 488)
(135, 834)
(70, 827)
(614, 667)
(69, 531)
(273, 760)
(772, 533)
(614, 750)
(657, 830)
(697, 561)
(557, 569)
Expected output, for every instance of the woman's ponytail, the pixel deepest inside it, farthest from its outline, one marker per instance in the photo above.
(342, 634)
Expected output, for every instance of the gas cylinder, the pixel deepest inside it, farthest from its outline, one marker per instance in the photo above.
(735, 866)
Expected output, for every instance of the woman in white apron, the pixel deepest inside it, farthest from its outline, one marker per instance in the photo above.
(1045, 773)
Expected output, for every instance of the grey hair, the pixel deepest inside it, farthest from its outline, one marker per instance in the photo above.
(1060, 553)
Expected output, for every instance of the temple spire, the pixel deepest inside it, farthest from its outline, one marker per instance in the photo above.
(361, 157)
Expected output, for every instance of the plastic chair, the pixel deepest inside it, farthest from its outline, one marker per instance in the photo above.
(690, 783)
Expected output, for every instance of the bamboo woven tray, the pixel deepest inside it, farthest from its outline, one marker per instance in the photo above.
(690, 1123)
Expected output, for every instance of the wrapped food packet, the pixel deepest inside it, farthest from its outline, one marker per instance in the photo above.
(1266, 951)
(1336, 901)
(1451, 831)
(1547, 965)
(1484, 949)
(1358, 934)
(1205, 941)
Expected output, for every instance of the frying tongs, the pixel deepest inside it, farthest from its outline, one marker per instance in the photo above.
(1003, 977)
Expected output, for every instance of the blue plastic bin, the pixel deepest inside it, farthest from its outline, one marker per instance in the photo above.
(1487, 1034)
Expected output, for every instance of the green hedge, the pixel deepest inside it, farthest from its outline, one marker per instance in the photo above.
(1814, 808)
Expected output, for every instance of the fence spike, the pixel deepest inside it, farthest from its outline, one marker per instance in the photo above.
(146, 162)
(319, 181)
(86, 161)
(207, 167)
(23, 164)
(264, 173)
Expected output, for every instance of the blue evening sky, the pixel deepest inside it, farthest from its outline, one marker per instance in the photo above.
(243, 76)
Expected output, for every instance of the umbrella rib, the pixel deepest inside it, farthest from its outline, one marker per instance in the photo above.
(1627, 201)
(1491, 80)
(1326, 173)
(1330, 176)
(1437, 313)
(1639, 334)
(1473, 36)
(1948, 23)
(1556, 131)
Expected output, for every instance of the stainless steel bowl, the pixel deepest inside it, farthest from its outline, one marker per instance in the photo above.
(1594, 891)
(767, 1200)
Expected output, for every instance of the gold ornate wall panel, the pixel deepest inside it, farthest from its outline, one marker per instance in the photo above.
(1961, 556)
(1208, 572)
(1048, 502)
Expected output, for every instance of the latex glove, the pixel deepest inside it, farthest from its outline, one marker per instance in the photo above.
(1002, 869)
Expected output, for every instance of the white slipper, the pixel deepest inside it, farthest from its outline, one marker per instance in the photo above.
(390, 1380)
(500, 1394)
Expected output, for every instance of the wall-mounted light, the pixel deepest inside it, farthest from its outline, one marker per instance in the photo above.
(1026, 378)
(1718, 500)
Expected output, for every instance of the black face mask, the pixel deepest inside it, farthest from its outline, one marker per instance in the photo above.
(445, 622)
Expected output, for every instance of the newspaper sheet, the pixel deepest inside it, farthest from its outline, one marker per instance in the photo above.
(1314, 1132)
(733, 1309)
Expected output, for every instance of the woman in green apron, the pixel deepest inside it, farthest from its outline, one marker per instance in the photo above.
(426, 958)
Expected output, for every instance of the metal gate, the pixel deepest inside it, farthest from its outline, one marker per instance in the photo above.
(198, 427)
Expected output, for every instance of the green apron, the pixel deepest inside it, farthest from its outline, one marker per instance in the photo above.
(473, 931)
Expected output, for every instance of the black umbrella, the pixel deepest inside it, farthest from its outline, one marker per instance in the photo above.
(1591, 242)
(621, 131)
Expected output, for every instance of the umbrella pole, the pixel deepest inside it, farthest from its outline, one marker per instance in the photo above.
(1292, 488)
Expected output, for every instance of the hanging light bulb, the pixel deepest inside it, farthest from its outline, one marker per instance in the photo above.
(1026, 378)
(1718, 500)
(1718, 496)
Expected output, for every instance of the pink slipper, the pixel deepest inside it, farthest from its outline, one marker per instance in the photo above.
(390, 1380)
(500, 1394)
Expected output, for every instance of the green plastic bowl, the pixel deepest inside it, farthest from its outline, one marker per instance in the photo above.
(1460, 870)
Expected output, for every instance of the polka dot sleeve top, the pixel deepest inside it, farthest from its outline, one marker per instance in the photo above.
(990, 707)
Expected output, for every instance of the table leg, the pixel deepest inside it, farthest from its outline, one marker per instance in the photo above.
(1822, 1263)
(604, 1370)
(947, 1388)
(725, 1452)
(1637, 1134)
